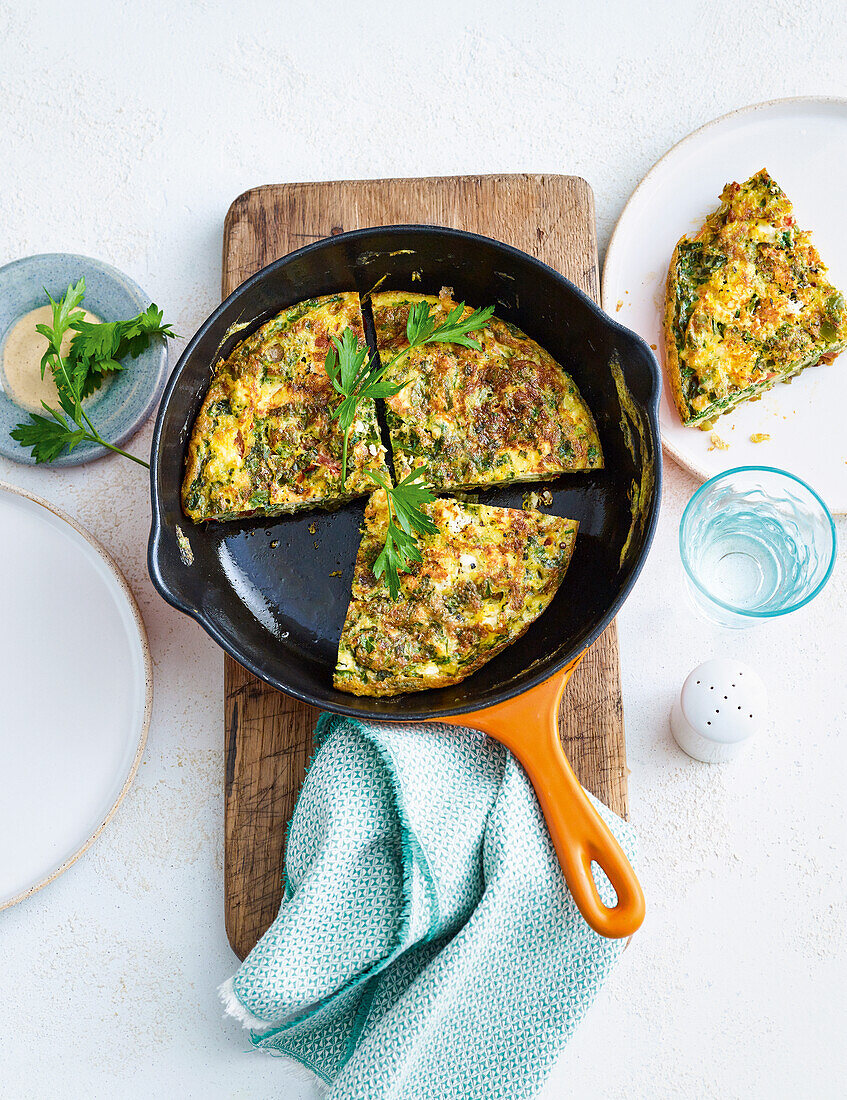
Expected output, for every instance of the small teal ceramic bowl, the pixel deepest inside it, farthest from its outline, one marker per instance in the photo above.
(121, 406)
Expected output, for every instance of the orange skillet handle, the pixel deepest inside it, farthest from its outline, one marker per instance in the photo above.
(529, 727)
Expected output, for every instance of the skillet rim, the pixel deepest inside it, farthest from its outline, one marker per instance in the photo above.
(545, 666)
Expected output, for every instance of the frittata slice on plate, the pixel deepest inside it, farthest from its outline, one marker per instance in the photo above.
(485, 576)
(748, 304)
(507, 412)
(265, 441)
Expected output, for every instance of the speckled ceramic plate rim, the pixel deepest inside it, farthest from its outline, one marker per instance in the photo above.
(108, 561)
(79, 457)
(695, 135)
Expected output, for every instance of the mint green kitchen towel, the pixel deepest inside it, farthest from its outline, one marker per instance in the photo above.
(427, 947)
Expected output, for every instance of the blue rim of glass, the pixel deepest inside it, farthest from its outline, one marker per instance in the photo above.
(729, 606)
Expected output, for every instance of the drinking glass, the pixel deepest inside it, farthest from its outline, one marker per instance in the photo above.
(755, 543)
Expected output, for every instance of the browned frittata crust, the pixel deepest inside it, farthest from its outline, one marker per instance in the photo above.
(506, 412)
(265, 441)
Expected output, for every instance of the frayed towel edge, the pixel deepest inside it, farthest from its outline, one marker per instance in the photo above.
(233, 1007)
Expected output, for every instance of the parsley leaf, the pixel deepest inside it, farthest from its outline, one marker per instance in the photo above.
(405, 520)
(98, 346)
(47, 438)
(422, 329)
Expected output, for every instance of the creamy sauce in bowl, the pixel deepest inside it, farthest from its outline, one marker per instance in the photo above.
(22, 351)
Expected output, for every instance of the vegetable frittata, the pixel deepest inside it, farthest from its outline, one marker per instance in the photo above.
(265, 442)
(484, 577)
(507, 412)
(748, 303)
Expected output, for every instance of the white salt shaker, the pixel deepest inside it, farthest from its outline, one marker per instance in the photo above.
(721, 705)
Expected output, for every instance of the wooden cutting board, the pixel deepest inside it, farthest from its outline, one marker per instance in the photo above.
(268, 735)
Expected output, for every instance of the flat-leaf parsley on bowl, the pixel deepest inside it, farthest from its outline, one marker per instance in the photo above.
(118, 409)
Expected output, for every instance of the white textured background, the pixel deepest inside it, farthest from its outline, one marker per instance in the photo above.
(126, 130)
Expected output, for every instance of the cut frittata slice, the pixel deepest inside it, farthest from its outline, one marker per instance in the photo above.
(484, 577)
(748, 304)
(265, 441)
(507, 412)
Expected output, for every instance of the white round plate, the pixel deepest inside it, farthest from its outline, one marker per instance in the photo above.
(803, 144)
(75, 692)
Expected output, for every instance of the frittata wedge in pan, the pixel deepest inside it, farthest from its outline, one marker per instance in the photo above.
(748, 304)
(265, 441)
(507, 412)
(485, 576)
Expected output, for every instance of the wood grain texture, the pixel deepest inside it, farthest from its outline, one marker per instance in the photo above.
(269, 735)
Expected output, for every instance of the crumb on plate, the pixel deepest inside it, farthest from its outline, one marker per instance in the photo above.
(718, 444)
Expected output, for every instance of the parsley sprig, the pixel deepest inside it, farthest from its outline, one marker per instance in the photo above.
(101, 345)
(96, 350)
(422, 329)
(358, 379)
(405, 521)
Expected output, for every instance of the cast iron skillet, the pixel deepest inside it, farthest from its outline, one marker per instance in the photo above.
(264, 589)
